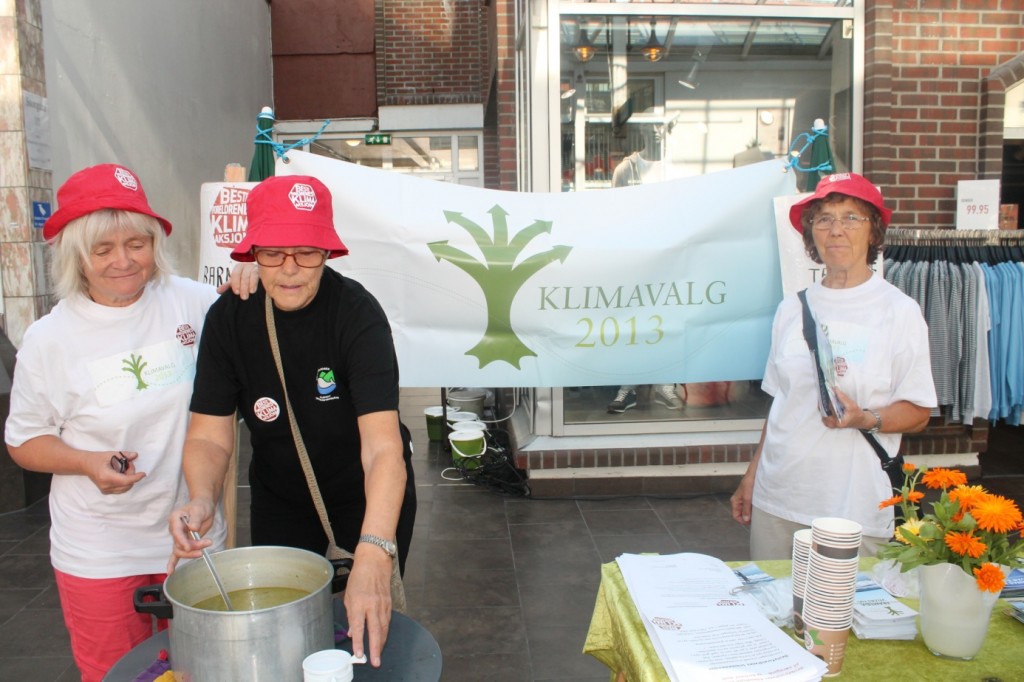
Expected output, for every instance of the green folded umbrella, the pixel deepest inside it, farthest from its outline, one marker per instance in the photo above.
(262, 165)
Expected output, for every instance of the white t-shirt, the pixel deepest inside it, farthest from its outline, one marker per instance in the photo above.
(109, 378)
(880, 343)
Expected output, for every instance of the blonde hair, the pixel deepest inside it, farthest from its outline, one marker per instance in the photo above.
(74, 243)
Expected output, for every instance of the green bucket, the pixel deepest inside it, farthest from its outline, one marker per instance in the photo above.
(435, 423)
(467, 447)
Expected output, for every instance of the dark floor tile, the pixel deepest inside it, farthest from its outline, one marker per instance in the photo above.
(39, 668)
(34, 633)
(569, 567)
(14, 600)
(609, 547)
(547, 604)
(489, 667)
(692, 507)
(556, 653)
(475, 631)
(47, 599)
(7, 545)
(528, 510)
(454, 556)
(739, 552)
(20, 525)
(621, 522)
(550, 539)
(37, 543)
(455, 524)
(611, 503)
(722, 531)
(471, 589)
(25, 571)
(573, 527)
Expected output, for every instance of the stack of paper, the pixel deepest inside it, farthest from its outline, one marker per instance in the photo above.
(1014, 585)
(1017, 610)
(879, 615)
(704, 629)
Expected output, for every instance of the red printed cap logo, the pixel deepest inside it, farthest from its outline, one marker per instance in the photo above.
(302, 196)
(125, 177)
(266, 409)
(228, 216)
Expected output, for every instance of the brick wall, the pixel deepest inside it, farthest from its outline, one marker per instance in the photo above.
(431, 52)
(934, 83)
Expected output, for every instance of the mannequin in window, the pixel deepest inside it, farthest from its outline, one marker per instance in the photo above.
(642, 166)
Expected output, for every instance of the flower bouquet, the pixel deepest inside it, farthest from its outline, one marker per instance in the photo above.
(964, 547)
(968, 527)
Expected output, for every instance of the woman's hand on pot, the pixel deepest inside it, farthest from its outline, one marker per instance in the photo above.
(197, 516)
(114, 472)
(368, 600)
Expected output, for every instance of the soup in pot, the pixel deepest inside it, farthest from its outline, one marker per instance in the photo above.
(253, 599)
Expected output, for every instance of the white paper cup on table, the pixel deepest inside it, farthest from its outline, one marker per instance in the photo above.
(801, 554)
(456, 417)
(469, 425)
(329, 665)
(828, 644)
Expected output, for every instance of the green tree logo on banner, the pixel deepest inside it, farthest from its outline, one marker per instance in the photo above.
(499, 278)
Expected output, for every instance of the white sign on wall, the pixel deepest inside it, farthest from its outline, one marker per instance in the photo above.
(977, 205)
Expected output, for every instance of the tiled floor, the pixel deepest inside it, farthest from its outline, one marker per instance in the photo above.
(506, 585)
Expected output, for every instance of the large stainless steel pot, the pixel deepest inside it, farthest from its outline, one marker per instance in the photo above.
(256, 646)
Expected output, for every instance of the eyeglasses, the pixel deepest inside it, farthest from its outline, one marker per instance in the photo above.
(848, 222)
(304, 259)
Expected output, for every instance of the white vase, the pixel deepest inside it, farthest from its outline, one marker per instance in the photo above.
(954, 612)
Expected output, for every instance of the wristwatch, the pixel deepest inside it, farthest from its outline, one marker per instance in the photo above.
(878, 421)
(386, 545)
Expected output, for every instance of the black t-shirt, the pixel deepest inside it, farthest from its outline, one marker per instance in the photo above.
(340, 363)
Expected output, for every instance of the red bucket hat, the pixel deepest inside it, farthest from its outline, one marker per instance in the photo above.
(850, 184)
(290, 210)
(109, 186)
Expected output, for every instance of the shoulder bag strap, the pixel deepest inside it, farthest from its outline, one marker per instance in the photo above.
(333, 551)
(893, 466)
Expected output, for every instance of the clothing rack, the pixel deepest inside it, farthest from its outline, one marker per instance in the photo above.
(916, 236)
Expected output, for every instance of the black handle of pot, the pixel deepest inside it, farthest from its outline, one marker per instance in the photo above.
(340, 580)
(159, 606)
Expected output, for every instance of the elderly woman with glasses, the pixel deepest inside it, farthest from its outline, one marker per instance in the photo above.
(338, 361)
(808, 465)
(100, 400)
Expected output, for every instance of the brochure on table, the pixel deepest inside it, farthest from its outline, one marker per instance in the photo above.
(702, 630)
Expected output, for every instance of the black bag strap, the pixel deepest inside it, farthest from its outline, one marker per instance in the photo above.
(892, 466)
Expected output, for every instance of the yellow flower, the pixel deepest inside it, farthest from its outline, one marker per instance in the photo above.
(965, 543)
(996, 514)
(990, 578)
(912, 526)
(943, 478)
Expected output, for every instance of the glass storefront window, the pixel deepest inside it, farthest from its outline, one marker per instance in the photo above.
(646, 98)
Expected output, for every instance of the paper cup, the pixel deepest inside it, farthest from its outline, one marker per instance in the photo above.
(329, 665)
(469, 425)
(828, 645)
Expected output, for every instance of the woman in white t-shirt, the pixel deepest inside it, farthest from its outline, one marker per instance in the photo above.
(807, 466)
(100, 400)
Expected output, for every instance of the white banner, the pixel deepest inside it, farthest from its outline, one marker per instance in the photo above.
(675, 281)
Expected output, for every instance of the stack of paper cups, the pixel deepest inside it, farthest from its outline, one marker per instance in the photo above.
(829, 589)
(801, 555)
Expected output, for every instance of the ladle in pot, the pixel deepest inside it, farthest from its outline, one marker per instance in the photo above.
(209, 563)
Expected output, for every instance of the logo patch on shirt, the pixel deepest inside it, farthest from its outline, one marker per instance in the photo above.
(325, 384)
(266, 409)
(186, 334)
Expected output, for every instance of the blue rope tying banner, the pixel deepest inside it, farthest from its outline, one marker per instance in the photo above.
(263, 136)
(794, 156)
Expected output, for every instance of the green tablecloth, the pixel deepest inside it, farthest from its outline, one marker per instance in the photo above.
(618, 639)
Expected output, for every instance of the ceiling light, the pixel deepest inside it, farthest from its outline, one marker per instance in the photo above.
(584, 49)
(653, 51)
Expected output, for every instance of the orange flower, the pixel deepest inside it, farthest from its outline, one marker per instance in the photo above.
(990, 578)
(909, 467)
(943, 478)
(967, 495)
(965, 543)
(915, 496)
(996, 514)
(891, 502)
